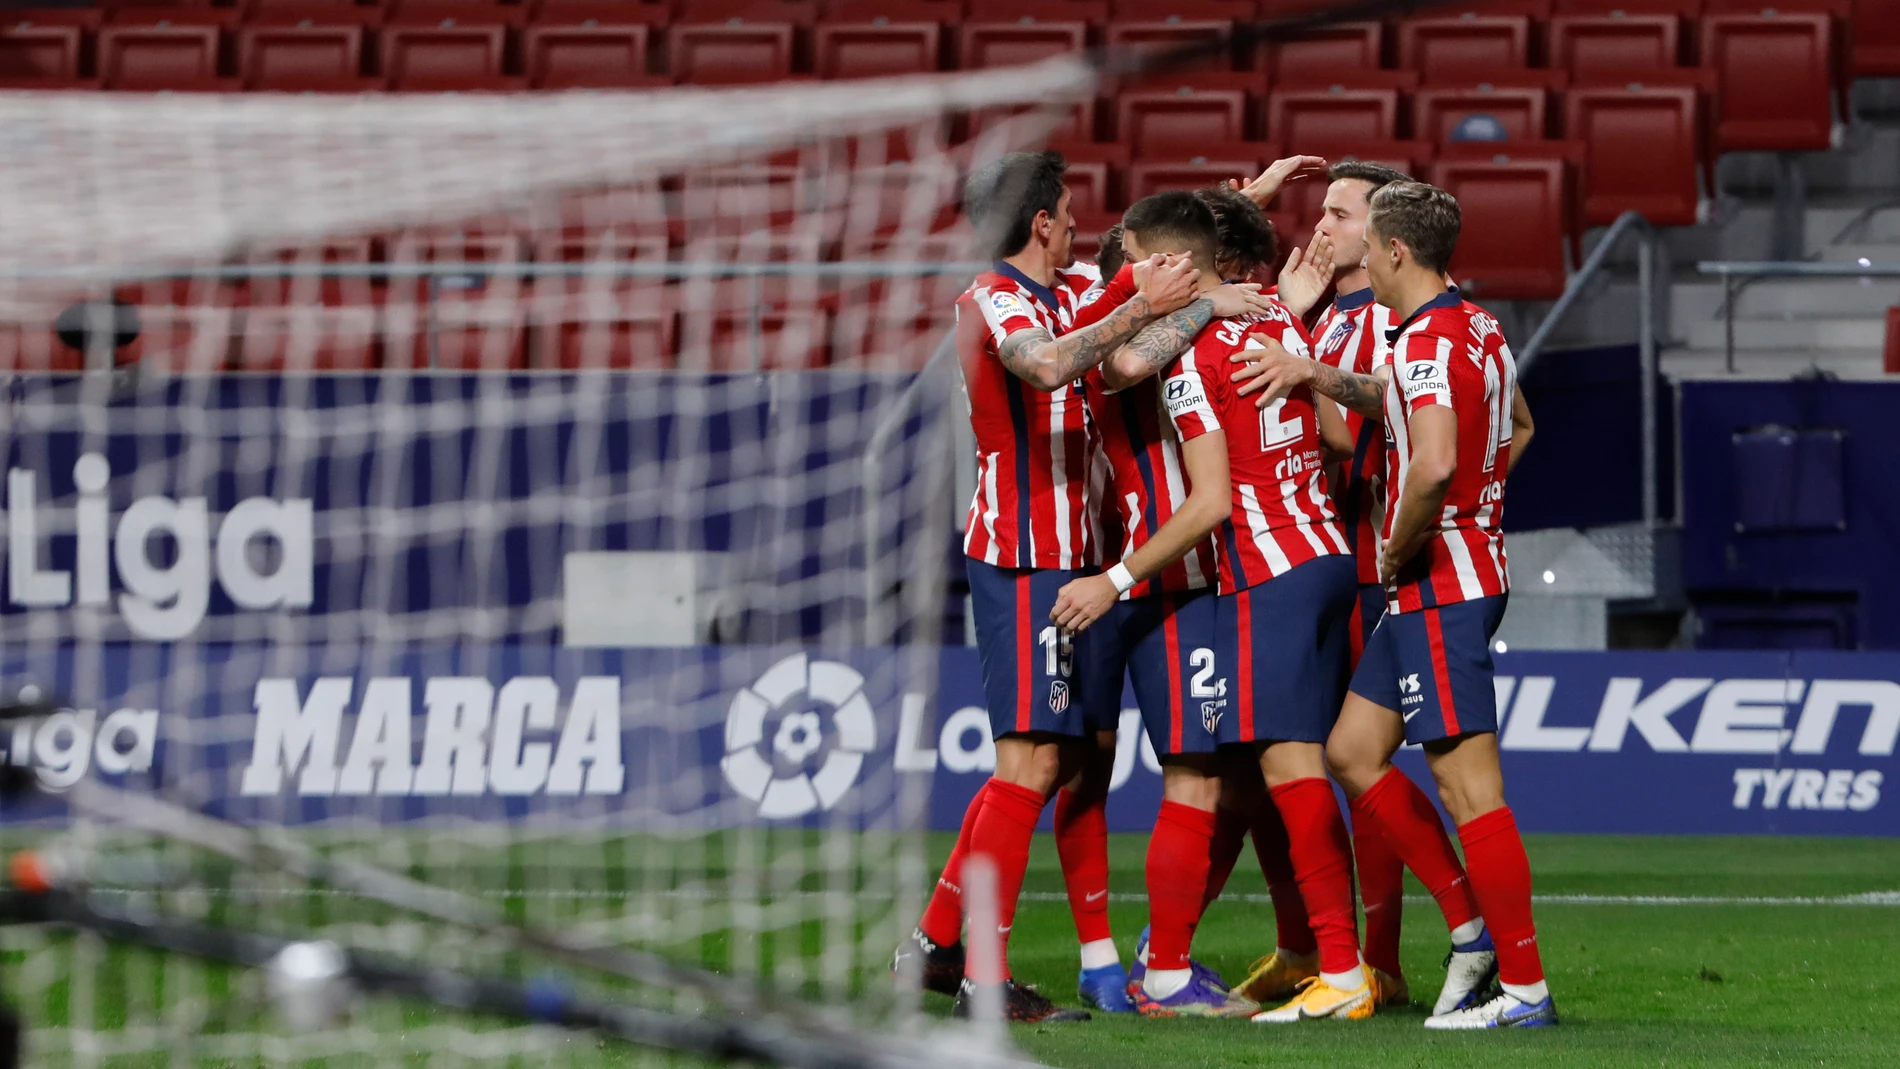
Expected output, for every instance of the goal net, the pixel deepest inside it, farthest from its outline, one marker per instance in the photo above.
(543, 497)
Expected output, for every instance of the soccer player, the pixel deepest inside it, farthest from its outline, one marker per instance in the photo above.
(1283, 560)
(1351, 340)
(1028, 531)
(1455, 424)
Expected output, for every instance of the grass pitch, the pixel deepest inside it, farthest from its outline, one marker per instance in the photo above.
(1698, 975)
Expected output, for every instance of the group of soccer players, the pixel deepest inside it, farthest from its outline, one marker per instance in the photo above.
(1293, 551)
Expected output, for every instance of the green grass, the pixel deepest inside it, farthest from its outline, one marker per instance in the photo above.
(1701, 984)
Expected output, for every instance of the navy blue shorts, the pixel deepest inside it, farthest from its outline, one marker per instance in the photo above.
(1288, 641)
(1034, 675)
(1165, 643)
(1365, 618)
(1434, 667)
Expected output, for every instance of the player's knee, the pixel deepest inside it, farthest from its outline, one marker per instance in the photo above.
(1354, 763)
(1041, 767)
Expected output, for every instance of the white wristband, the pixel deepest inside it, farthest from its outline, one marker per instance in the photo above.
(1121, 577)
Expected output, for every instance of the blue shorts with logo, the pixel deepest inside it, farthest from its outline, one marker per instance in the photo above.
(1286, 642)
(1035, 677)
(1166, 644)
(1434, 667)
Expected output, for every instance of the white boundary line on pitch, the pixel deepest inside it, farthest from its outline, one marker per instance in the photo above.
(1870, 898)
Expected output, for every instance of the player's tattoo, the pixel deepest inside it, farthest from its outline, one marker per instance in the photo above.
(1168, 337)
(1051, 363)
(1364, 394)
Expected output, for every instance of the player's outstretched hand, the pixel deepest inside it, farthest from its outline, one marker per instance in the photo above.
(1239, 298)
(1307, 275)
(1083, 601)
(1263, 189)
(1271, 371)
(1170, 285)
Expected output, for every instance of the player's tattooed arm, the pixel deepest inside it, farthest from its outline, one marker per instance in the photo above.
(1050, 363)
(1364, 394)
(1158, 343)
(1272, 373)
(1522, 429)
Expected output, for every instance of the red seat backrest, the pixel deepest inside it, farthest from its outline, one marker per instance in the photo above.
(560, 57)
(1174, 32)
(1776, 76)
(447, 51)
(1009, 44)
(867, 50)
(1520, 114)
(1433, 46)
(1322, 54)
(1516, 216)
(1156, 121)
(724, 54)
(1320, 117)
(1644, 146)
(157, 54)
(1153, 176)
(272, 55)
(1589, 46)
(30, 49)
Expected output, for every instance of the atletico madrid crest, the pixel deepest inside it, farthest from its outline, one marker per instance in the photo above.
(1058, 696)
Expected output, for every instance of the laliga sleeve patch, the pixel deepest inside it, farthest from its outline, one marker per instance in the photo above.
(1008, 305)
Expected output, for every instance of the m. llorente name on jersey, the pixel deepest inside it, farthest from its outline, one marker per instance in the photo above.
(160, 603)
(477, 738)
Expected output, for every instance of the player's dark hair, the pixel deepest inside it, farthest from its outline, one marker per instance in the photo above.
(1175, 221)
(1111, 257)
(1003, 198)
(1247, 239)
(1376, 175)
(1424, 217)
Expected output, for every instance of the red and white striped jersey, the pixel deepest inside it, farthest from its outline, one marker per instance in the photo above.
(1033, 449)
(1281, 516)
(1351, 337)
(1146, 483)
(1450, 352)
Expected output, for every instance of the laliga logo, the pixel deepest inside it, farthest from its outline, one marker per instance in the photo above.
(773, 773)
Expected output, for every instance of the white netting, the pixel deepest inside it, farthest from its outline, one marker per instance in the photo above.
(547, 497)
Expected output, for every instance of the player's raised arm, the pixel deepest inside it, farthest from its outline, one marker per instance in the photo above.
(1522, 429)
(1158, 343)
(1050, 363)
(1264, 189)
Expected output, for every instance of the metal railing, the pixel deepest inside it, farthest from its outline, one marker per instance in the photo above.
(1628, 224)
(1736, 275)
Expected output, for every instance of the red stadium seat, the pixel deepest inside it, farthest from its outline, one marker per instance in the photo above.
(1310, 119)
(1154, 176)
(1009, 44)
(1080, 124)
(731, 53)
(1090, 11)
(1776, 77)
(874, 49)
(287, 56)
(740, 199)
(1297, 210)
(795, 12)
(1517, 213)
(180, 50)
(32, 50)
(590, 54)
(447, 53)
(1589, 46)
(601, 13)
(471, 321)
(1644, 145)
(185, 325)
(1093, 178)
(626, 325)
(788, 338)
(310, 324)
(1682, 9)
(939, 11)
(1172, 32)
(1321, 55)
(1516, 114)
(1195, 10)
(1876, 39)
(1156, 121)
(1436, 46)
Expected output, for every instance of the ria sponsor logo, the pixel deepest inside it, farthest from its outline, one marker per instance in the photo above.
(476, 738)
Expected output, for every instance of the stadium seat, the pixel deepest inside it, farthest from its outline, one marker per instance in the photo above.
(185, 325)
(1876, 39)
(1310, 119)
(447, 53)
(1090, 11)
(289, 55)
(1242, 160)
(310, 324)
(744, 198)
(1009, 44)
(874, 49)
(1092, 177)
(794, 12)
(942, 12)
(1196, 10)
(731, 53)
(474, 321)
(1776, 78)
(789, 338)
(27, 343)
(177, 51)
(592, 53)
(1156, 121)
(1080, 125)
(627, 325)
(1682, 9)
(1589, 46)
(1517, 213)
(1321, 55)
(1643, 141)
(1485, 112)
(600, 12)
(1297, 210)
(1435, 46)
(1175, 31)
(32, 50)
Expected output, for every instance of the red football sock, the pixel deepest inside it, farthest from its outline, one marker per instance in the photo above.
(1082, 843)
(1178, 865)
(1413, 830)
(1381, 888)
(1294, 930)
(1002, 832)
(1230, 834)
(1501, 877)
(1322, 860)
(943, 916)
